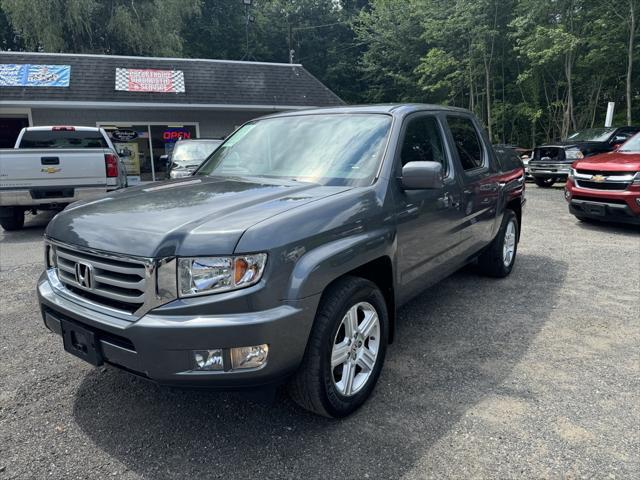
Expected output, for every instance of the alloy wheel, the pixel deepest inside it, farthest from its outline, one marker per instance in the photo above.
(355, 348)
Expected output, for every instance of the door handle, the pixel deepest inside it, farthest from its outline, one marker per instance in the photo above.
(50, 160)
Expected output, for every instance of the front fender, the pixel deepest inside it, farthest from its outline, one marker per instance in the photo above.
(319, 267)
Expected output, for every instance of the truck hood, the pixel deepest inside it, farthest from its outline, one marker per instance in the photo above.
(190, 216)
(566, 145)
(611, 162)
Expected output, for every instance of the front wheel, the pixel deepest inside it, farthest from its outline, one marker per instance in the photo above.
(498, 259)
(346, 349)
(545, 182)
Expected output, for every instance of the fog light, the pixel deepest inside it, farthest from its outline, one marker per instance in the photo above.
(567, 194)
(249, 357)
(208, 359)
(638, 201)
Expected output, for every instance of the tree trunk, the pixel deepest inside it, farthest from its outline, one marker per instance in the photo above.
(632, 32)
(568, 120)
(487, 85)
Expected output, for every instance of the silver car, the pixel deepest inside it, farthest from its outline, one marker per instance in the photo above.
(187, 155)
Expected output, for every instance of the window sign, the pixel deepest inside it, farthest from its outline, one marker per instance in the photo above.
(124, 135)
(175, 134)
(26, 75)
(149, 80)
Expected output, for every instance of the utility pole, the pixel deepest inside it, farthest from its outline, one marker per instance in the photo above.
(249, 19)
(291, 50)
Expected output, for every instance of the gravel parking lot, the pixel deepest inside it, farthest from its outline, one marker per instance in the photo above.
(535, 376)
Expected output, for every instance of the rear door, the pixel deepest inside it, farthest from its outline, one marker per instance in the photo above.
(481, 186)
(58, 157)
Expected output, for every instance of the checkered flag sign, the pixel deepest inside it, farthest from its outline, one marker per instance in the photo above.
(149, 80)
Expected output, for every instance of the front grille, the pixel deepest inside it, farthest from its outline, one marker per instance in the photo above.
(116, 283)
(603, 180)
(602, 186)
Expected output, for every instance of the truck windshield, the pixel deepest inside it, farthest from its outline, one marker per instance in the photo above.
(187, 151)
(328, 149)
(592, 135)
(62, 139)
(632, 145)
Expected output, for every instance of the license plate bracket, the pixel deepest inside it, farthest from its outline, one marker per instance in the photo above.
(81, 342)
(593, 209)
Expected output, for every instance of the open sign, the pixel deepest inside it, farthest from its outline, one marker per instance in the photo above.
(173, 135)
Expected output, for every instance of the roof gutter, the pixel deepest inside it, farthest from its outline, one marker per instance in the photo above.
(148, 105)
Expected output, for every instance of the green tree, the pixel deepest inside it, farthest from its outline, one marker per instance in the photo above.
(101, 26)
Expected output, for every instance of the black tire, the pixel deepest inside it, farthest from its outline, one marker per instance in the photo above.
(492, 261)
(15, 221)
(545, 182)
(313, 386)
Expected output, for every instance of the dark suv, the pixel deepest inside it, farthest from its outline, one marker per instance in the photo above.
(552, 163)
(287, 254)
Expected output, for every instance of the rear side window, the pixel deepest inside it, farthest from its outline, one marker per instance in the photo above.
(423, 142)
(62, 139)
(467, 142)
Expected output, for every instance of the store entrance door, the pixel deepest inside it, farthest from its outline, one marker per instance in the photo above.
(141, 147)
(132, 145)
(10, 128)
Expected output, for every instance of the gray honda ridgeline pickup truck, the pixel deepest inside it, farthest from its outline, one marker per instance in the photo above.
(285, 257)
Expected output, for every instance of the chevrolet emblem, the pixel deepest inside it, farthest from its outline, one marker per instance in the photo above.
(50, 170)
(598, 178)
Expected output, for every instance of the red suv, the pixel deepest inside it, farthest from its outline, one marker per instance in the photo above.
(607, 186)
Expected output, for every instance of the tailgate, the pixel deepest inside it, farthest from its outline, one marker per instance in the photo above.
(53, 167)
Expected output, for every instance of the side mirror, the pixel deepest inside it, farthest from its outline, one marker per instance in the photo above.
(422, 176)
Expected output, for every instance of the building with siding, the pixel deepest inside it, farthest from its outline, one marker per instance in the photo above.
(144, 103)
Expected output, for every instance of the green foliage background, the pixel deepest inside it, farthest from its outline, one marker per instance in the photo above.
(533, 70)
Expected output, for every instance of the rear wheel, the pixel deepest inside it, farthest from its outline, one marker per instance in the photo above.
(14, 220)
(498, 259)
(545, 182)
(346, 349)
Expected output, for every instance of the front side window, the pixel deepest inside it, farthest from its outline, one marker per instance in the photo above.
(328, 149)
(423, 142)
(467, 142)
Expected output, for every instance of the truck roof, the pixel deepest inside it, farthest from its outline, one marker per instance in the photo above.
(388, 108)
(50, 127)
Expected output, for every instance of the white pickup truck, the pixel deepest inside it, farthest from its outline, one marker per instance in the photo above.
(51, 167)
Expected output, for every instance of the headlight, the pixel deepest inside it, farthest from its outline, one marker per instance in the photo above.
(572, 173)
(202, 275)
(573, 154)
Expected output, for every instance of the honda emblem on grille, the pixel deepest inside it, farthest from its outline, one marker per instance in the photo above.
(598, 178)
(84, 275)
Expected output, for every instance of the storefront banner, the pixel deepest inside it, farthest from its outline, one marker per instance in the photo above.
(149, 80)
(26, 75)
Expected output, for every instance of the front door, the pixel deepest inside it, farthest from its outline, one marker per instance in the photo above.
(427, 220)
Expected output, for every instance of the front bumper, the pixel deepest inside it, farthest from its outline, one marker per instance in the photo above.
(160, 347)
(621, 206)
(549, 169)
